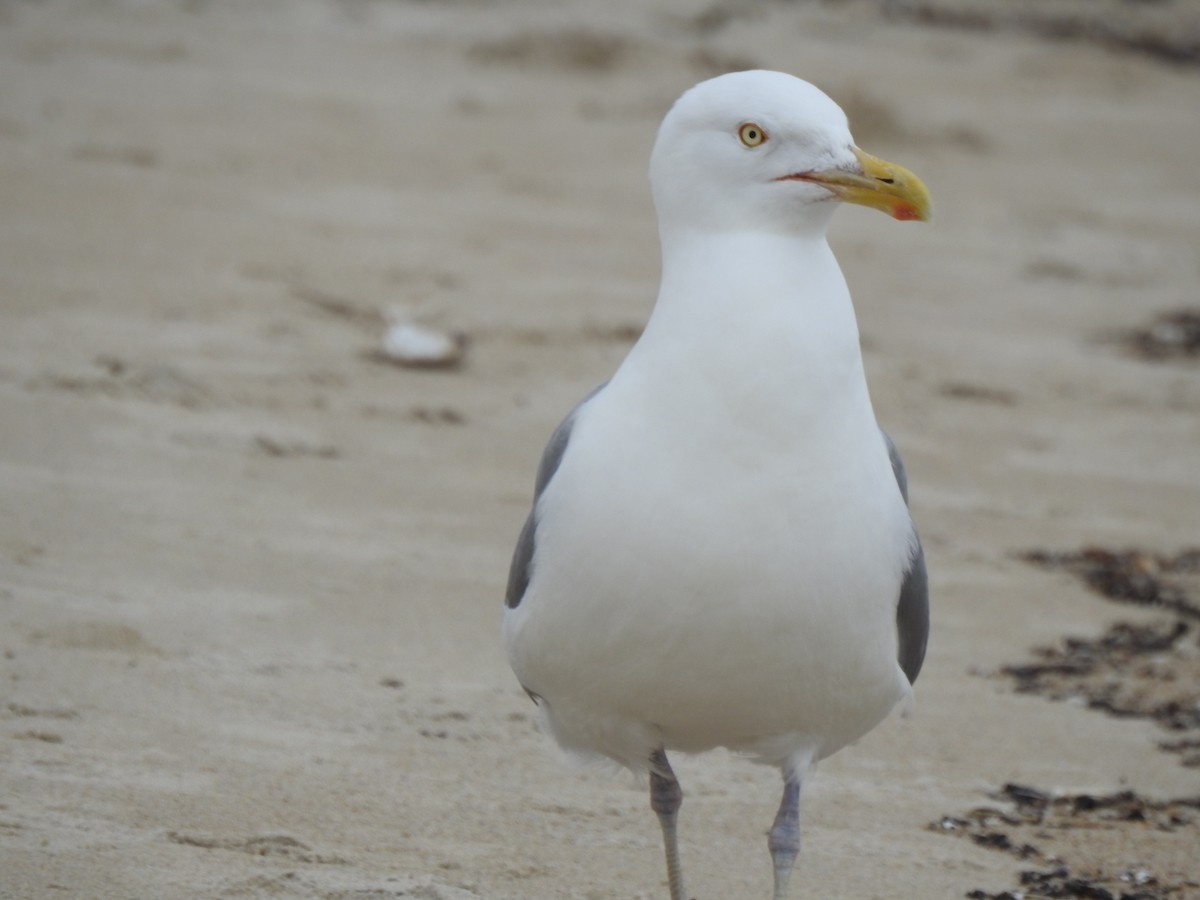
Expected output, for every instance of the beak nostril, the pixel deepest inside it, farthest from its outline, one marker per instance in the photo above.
(887, 180)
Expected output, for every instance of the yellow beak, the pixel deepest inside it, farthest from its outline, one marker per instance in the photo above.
(881, 185)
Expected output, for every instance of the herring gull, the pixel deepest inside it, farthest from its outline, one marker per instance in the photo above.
(720, 552)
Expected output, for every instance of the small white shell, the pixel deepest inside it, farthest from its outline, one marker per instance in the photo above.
(419, 346)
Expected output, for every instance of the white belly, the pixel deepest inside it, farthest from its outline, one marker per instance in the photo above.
(692, 591)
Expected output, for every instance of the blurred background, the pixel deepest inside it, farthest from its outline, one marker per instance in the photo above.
(292, 293)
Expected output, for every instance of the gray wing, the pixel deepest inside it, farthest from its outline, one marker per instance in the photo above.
(912, 610)
(519, 571)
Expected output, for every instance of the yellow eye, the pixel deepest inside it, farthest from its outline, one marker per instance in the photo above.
(751, 135)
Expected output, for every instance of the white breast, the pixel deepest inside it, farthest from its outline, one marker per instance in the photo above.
(693, 587)
(719, 555)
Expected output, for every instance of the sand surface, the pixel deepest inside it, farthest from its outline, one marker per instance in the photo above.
(251, 576)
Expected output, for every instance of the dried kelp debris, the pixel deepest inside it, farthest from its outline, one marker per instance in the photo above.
(1147, 670)
(1166, 30)
(1026, 818)
(1142, 671)
(1059, 882)
(1132, 576)
(1172, 335)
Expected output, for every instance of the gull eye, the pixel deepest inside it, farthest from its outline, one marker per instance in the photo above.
(751, 135)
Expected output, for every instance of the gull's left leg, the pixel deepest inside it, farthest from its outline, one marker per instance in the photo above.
(784, 838)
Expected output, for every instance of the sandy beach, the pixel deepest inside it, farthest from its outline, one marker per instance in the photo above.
(251, 573)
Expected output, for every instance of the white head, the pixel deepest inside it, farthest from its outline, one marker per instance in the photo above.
(766, 151)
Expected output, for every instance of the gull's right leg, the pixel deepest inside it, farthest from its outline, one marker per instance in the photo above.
(665, 799)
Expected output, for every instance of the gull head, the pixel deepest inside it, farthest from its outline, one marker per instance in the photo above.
(764, 151)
